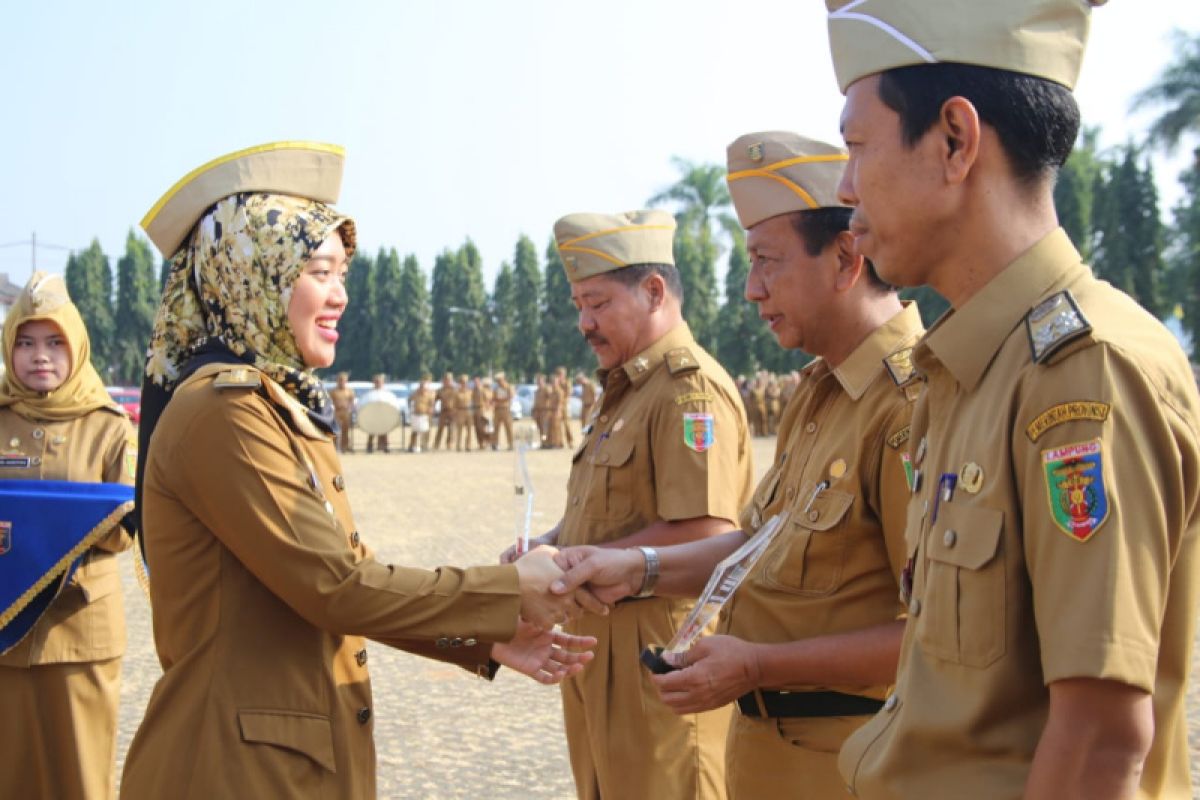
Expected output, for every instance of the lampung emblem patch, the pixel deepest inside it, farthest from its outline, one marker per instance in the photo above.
(1075, 485)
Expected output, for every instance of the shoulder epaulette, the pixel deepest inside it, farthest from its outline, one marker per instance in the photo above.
(238, 378)
(1053, 323)
(899, 365)
(680, 361)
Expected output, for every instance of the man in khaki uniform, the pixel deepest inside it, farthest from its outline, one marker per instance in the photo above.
(502, 411)
(811, 637)
(774, 404)
(539, 407)
(445, 405)
(421, 406)
(464, 396)
(482, 399)
(667, 460)
(552, 414)
(758, 398)
(587, 398)
(343, 411)
(1052, 532)
(564, 392)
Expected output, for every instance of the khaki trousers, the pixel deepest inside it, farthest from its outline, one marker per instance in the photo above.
(58, 732)
(794, 758)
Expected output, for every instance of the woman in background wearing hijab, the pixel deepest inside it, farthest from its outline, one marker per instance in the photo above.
(262, 589)
(59, 685)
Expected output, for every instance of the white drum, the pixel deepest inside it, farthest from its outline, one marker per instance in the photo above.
(378, 418)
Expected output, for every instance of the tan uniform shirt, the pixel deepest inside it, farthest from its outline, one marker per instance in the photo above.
(1060, 543)
(421, 401)
(669, 442)
(343, 399)
(446, 395)
(87, 621)
(502, 401)
(261, 590)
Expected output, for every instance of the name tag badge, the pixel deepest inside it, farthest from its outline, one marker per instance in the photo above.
(19, 462)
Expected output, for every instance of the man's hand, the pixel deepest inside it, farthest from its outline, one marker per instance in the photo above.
(536, 570)
(545, 656)
(716, 671)
(608, 574)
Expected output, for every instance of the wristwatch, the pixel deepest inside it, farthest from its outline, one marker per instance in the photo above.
(650, 578)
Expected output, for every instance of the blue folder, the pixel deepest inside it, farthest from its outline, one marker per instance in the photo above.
(46, 527)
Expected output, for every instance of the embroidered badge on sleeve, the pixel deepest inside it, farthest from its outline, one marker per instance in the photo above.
(698, 431)
(1075, 486)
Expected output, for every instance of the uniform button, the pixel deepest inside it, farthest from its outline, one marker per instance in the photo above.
(914, 607)
(456, 641)
(339, 483)
(810, 427)
(604, 417)
(949, 538)
(38, 433)
(470, 642)
(790, 491)
(364, 715)
(355, 539)
(814, 515)
(361, 657)
(890, 703)
(442, 643)
(36, 460)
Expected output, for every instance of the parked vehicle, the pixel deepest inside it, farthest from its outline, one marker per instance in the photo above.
(129, 399)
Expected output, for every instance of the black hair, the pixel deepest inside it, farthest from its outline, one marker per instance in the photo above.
(818, 228)
(1036, 119)
(634, 274)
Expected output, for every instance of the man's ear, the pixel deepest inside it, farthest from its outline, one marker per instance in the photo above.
(850, 263)
(959, 127)
(656, 290)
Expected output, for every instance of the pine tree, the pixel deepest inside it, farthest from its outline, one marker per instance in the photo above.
(414, 320)
(137, 303)
(445, 280)
(738, 325)
(89, 282)
(562, 343)
(1127, 231)
(354, 345)
(387, 340)
(1073, 190)
(504, 301)
(1185, 253)
(472, 320)
(526, 343)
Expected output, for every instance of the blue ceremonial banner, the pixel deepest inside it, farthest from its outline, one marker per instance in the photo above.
(45, 528)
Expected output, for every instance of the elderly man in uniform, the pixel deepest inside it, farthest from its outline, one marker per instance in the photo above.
(1052, 532)
(811, 638)
(343, 411)
(445, 409)
(421, 405)
(502, 411)
(666, 460)
(464, 396)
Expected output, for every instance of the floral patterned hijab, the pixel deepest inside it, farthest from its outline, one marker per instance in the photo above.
(230, 286)
(45, 298)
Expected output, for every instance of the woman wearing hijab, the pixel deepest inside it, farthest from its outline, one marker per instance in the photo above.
(261, 586)
(59, 685)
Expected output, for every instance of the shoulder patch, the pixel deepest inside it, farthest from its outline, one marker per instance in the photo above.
(238, 378)
(1065, 412)
(900, 437)
(694, 397)
(900, 365)
(680, 361)
(1054, 322)
(1074, 477)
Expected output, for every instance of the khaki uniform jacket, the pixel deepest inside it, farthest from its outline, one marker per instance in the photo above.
(87, 621)
(1052, 533)
(446, 398)
(343, 400)
(502, 401)
(635, 467)
(262, 590)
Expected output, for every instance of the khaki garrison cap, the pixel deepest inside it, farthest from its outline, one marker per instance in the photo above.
(1044, 38)
(777, 172)
(592, 244)
(301, 169)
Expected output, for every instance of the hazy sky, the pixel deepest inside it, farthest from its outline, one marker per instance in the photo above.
(469, 118)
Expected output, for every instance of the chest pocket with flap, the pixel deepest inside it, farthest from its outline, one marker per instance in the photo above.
(610, 494)
(962, 613)
(810, 553)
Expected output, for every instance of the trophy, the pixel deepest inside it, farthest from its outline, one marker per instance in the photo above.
(522, 491)
(725, 580)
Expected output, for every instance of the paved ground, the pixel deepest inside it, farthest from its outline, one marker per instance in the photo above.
(440, 732)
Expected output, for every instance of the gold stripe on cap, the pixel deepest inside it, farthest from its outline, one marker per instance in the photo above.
(591, 252)
(762, 173)
(320, 147)
(622, 229)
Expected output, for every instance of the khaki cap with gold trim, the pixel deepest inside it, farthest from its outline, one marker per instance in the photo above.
(592, 244)
(777, 172)
(300, 169)
(1044, 38)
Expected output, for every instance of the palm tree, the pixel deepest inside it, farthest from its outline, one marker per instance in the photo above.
(702, 197)
(1178, 90)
